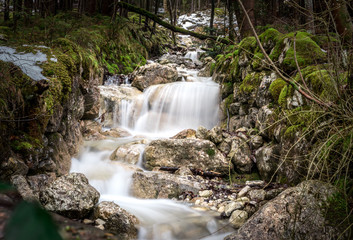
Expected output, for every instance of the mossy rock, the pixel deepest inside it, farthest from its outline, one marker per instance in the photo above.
(257, 61)
(308, 52)
(286, 92)
(276, 88)
(248, 44)
(250, 83)
(269, 38)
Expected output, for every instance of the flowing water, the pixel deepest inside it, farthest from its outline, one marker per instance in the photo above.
(159, 112)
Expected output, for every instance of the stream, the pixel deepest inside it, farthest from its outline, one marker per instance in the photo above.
(161, 111)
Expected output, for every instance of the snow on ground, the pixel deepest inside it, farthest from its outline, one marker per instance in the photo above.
(27, 62)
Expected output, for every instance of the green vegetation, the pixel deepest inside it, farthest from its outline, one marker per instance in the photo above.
(276, 88)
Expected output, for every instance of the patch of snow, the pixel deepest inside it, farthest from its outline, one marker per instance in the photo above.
(27, 62)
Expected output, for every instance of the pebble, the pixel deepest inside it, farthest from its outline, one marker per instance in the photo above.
(88, 221)
(255, 183)
(206, 193)
(244, 191)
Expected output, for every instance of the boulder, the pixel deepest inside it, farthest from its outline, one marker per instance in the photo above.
(162, 185)
(23, 188)
(152, 74)
(238, 218)
(193, 153)
(187, 133)
(117, 220)
(12, 166)
(70, 195)
(240, 155)
(267, 160)
(297, 213)
(129, 153)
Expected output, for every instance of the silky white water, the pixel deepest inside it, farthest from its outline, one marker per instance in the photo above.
(160, 111)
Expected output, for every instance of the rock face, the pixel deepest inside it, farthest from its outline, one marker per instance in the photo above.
(161, 185)
(117, 219)
(153, 74)
(193, 153)
(297, 213)
(70, 195)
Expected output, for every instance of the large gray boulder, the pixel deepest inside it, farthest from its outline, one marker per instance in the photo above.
(297, 213)
(240, 155)
(70, 195)
(152, 74)
(150, 185)
(193, 153)
(117, 219)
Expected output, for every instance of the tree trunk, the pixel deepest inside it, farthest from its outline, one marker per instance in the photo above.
(212, 16)
(343, 21)
(28, 6)
(309, 6)
(246, 28)
(231, 20)
(7, 10)
(147, 9)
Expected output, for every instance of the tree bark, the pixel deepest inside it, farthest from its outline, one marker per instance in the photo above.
(7, 10)
(169, 26)
(309, 6)
(212, 16)
(343, 21)
(246, 28)
(28, 6)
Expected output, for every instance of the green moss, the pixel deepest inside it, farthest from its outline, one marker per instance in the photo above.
(228, 100)
(257, 61)
(292, 130)
(270, 34)
(285, 92)
(211, 152)
(248, 44)
(336, 211)
(276, 88)
(250, 83)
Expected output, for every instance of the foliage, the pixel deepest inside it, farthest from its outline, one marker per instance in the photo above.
(30, 221)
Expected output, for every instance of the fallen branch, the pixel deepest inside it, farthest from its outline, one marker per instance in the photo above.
(155, 18)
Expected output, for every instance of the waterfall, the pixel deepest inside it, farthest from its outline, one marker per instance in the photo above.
(160, 111)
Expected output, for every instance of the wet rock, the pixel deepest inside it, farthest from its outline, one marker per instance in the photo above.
(129, 153)
(297, 213)
(40, 181)
(70, 196)
(240, 155)
(112, 98)
(267, 160)
(59, 154)
(193, 153)
(257, 195)
(22, 186)
(12, 166)
(162, 185)
(187, 133)
(231, 207)
(116, 219)
(238, 218)
(116, 133)
(206, 71)
(152, 74)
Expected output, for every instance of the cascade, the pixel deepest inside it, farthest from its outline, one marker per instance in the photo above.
(160, 111)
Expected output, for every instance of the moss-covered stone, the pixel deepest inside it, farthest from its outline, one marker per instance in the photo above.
(257, 61)
(276, 88)
(250, 83)
(285, 93)
(248, 44)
